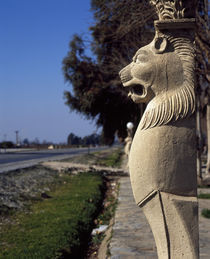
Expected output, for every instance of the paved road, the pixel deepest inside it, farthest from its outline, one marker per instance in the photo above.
(13, 160)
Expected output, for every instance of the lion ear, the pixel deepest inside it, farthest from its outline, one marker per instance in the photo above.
(160, 45)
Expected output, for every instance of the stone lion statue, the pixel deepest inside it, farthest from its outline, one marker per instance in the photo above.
(163, 154)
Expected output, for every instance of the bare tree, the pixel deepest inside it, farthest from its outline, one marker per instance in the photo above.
(202, 40)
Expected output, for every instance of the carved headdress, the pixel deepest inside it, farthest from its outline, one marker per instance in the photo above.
(174, 9)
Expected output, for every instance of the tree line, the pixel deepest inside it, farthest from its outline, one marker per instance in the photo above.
(119, 29)
(93, 139)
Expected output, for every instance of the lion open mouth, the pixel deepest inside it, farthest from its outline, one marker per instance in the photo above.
(137, 91)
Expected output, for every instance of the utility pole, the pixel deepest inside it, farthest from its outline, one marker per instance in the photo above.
(17, 139)
(5, 139)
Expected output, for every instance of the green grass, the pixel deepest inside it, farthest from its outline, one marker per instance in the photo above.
(204, 196)
(113, 159)
(108, 211)
(203, 186)
(206, 213)
(110, 205)
(98, 238)
(110, 157)
(57, 226)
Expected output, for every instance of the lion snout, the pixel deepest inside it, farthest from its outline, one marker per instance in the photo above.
(125, 74)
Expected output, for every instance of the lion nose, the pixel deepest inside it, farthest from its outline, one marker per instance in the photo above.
(121, 72)
(125, 74)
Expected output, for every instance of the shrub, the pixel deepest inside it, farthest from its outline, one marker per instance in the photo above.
(205, 213)
(204, 196)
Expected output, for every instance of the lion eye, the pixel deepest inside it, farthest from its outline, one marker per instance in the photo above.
(141, 58)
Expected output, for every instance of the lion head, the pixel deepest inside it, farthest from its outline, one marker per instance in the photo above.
(162, 75)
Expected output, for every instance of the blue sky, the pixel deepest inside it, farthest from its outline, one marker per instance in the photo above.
(34, 40)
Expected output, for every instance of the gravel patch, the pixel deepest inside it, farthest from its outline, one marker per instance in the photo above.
(18, 187)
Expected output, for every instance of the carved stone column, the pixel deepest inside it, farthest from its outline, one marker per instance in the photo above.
(162, 159)
(129, 138)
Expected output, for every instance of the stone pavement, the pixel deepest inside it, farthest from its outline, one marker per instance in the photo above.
(132, 237)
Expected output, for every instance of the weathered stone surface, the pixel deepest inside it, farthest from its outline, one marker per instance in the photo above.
(163, 153)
